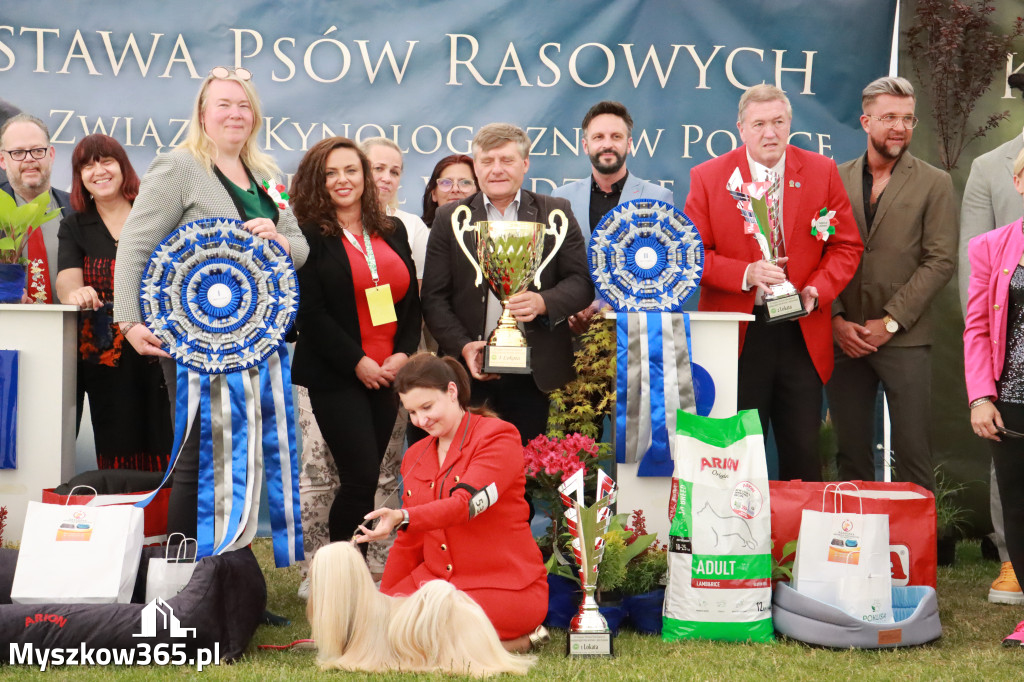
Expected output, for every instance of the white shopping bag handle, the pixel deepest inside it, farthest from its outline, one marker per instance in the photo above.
(837, 492)
(182, 548)
(71, 494)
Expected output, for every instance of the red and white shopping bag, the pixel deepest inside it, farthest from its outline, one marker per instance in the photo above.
(75, 554)
(842, 558)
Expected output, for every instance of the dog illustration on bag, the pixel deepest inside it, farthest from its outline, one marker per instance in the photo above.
(727, 526)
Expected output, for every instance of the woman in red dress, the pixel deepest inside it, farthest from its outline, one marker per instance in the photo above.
(463, 518)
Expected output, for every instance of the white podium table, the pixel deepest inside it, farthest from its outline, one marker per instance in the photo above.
(715, 341)
(46, 337)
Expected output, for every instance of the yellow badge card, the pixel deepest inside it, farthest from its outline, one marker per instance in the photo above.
(382, 307)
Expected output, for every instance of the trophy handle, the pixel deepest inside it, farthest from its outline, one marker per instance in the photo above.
(462, 215)
(559, 233)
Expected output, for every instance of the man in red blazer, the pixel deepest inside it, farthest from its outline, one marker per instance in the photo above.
(783, 365)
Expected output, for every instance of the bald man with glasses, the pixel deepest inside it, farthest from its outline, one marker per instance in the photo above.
(27, 157)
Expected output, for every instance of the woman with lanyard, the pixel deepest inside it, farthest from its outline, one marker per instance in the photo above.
(358, 321)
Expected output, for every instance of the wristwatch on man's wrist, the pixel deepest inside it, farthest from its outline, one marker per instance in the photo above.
(891, 325)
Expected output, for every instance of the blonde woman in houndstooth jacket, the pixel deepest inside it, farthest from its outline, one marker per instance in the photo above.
(218, 172)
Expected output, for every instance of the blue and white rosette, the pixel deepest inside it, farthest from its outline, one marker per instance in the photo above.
(646, 255)
(646, 259)
(222, 300)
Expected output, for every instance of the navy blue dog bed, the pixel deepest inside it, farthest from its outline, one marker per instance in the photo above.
(915, 610)
(224, 602)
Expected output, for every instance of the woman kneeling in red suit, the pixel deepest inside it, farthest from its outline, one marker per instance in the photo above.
(463, 518)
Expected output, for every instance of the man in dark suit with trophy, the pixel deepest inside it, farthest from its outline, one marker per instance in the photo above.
(460, 307)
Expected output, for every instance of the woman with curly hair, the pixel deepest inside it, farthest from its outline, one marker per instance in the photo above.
(358, 321)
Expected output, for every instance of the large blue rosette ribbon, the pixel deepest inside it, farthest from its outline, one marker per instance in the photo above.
(646, 259)
(222, 300)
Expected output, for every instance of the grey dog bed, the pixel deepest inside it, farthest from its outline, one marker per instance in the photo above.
(915, 609)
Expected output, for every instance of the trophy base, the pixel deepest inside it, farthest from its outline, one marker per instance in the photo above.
(785, 306)
(507, 360)
(588, 644)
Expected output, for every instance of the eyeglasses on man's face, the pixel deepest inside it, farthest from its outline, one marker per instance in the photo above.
(19, 154)
(464, 184)
(890, 121)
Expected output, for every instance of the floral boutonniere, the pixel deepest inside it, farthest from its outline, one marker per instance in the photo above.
(824, 225)
(277, 193)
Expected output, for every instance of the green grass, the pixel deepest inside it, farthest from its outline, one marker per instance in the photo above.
(969, 649)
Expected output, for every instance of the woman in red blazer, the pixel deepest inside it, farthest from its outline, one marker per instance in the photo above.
(463, 518)
(994, 366)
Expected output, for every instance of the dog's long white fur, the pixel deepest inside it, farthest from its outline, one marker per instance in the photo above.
(438, 628)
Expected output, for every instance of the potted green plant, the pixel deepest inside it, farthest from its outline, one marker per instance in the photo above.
(629, 578)
(16, 223)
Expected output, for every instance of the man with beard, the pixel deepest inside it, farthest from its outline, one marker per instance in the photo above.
(607, 138)
(882, 321)
(27, 156)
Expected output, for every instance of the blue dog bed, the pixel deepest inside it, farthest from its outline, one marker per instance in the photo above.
(915, 609)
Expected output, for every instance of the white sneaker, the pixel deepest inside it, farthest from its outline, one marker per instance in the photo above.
(304, 589)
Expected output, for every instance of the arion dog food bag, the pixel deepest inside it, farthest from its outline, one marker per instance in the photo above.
(719, 562)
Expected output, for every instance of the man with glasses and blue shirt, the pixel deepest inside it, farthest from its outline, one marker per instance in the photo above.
(882, 321)
(27, 157)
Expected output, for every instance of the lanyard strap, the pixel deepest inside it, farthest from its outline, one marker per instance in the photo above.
(371, 261)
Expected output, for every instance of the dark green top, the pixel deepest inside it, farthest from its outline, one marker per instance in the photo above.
(255, 202)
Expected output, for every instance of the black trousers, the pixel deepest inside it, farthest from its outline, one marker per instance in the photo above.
(356, 423)
(517, 400)
(778, 379)
(183, 505)
(1008, 458)
(906, 374)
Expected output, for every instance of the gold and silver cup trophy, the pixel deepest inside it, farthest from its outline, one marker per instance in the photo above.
(509, 254)
(589, 634)
(761, 219)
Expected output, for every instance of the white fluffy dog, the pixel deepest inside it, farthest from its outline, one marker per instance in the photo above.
(438, 628)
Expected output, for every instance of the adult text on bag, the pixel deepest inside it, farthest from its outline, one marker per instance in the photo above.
(719, 560)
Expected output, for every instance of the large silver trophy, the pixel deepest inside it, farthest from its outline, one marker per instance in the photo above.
(761, 219)
(509, 253)
(589, 634)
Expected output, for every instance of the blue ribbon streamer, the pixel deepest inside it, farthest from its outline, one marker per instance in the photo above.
(657, 460)
(240, 435)
(206, 512)
(621, 384)
(283, 515)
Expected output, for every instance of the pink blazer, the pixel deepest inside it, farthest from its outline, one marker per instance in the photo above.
(993, 256)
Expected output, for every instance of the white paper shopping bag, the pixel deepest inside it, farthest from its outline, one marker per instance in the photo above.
(168, 575)
(74, 554)
(842, 559)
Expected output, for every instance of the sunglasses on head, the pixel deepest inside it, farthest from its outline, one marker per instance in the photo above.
(225, 72)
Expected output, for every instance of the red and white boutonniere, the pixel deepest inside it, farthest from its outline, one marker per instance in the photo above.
(278, 193)
(824, 225)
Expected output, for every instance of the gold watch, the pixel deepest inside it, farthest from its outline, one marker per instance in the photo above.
(891, 325)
